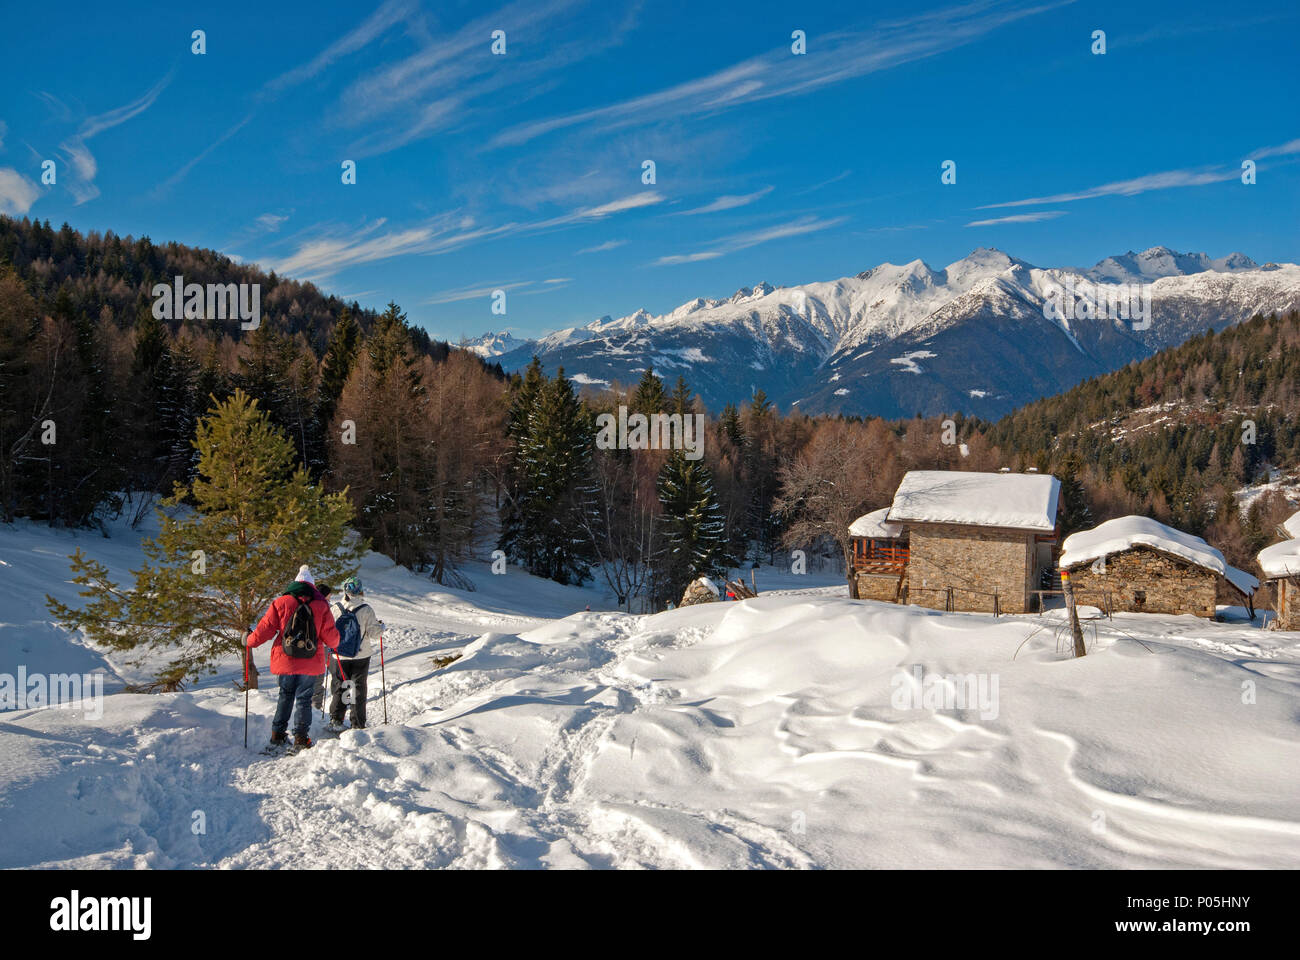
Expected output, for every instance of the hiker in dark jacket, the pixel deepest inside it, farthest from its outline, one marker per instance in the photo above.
(354, 662)
(297, 674)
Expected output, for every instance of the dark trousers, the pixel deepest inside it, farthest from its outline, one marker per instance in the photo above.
(355, 671)
(295, 690)
(318, 690)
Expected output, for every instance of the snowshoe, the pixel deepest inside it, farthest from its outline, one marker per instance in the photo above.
(277, 747)
(336, 727)
(300, 743)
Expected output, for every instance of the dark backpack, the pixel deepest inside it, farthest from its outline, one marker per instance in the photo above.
(299, 637)
(349, 633)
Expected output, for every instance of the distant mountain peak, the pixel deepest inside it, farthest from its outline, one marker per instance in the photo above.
(760, 289)
(1156, 262)
(840, 345)
(492, 344)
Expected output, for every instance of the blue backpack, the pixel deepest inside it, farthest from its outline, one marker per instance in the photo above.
(349, 633)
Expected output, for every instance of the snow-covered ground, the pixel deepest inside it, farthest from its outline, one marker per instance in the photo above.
(800, 729)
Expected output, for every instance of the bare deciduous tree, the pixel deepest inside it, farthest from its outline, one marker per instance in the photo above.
(845, 470)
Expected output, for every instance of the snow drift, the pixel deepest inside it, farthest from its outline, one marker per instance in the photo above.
(793, 730)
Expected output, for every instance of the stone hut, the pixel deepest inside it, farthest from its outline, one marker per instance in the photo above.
(976, 541)
(1139, 565)
(879, 557)
(1281, 566)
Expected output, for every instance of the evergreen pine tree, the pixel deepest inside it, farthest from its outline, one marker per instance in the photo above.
(265, 372)
(692, 525)
(94, 471)
(682, 397)
(525, 392)
(1076, 513)
(554, 500)
(731, 426)
(649, 397)
(151, 448)
(340, 355)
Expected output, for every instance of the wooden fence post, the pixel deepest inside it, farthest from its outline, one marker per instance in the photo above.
(1068, 589)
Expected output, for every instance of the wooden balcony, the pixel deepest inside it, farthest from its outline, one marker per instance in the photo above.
(879, 556)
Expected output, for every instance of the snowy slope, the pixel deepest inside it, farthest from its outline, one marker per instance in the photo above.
(756, 734)
(844, 345)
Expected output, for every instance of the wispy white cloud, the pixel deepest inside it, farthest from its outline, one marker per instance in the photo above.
(271, 222)
(486, 291)
(451, 79)
(74, 149)
(1282, 150)
(1019, 218)
(838, 57)
(646, 198)
(184, 171)
(1164, 180)
(388, 15)
(324, 255)
(602, 247)
(825, 183)
(727, 202)
(1128, 188)
(261, 226)
(742, 241)
(17, 193)
(93, 126)
(474, 293)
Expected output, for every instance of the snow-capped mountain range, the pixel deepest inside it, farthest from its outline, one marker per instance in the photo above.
(899, 340)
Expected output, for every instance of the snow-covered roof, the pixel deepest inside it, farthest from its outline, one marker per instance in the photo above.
(1242, 580)
(1281, 559)
(1124, 533)
(1292, 525)
(874, 524)
(1020, 501)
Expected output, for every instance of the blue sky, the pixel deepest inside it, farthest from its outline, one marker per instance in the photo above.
(524, 171)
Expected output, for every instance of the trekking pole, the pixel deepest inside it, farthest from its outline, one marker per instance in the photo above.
(245, 698)
(383, 679)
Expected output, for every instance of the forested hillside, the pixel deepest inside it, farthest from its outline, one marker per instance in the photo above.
(98, 397)
(1176, 434)
(99, 401)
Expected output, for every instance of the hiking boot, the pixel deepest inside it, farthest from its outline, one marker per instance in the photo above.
(335, 726)
(301, 741)
(279, 739)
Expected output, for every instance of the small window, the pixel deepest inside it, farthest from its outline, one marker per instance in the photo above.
(1139, 598)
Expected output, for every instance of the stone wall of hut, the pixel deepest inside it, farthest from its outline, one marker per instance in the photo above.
(1141, 580)
(976, 562)
(878, 586)
(1288, 603)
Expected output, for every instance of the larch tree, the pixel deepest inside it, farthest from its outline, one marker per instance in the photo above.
(845, 470)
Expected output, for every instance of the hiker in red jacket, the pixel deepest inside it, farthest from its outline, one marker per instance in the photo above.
(302, 626)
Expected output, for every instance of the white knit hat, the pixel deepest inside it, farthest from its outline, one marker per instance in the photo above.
(304, 575)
